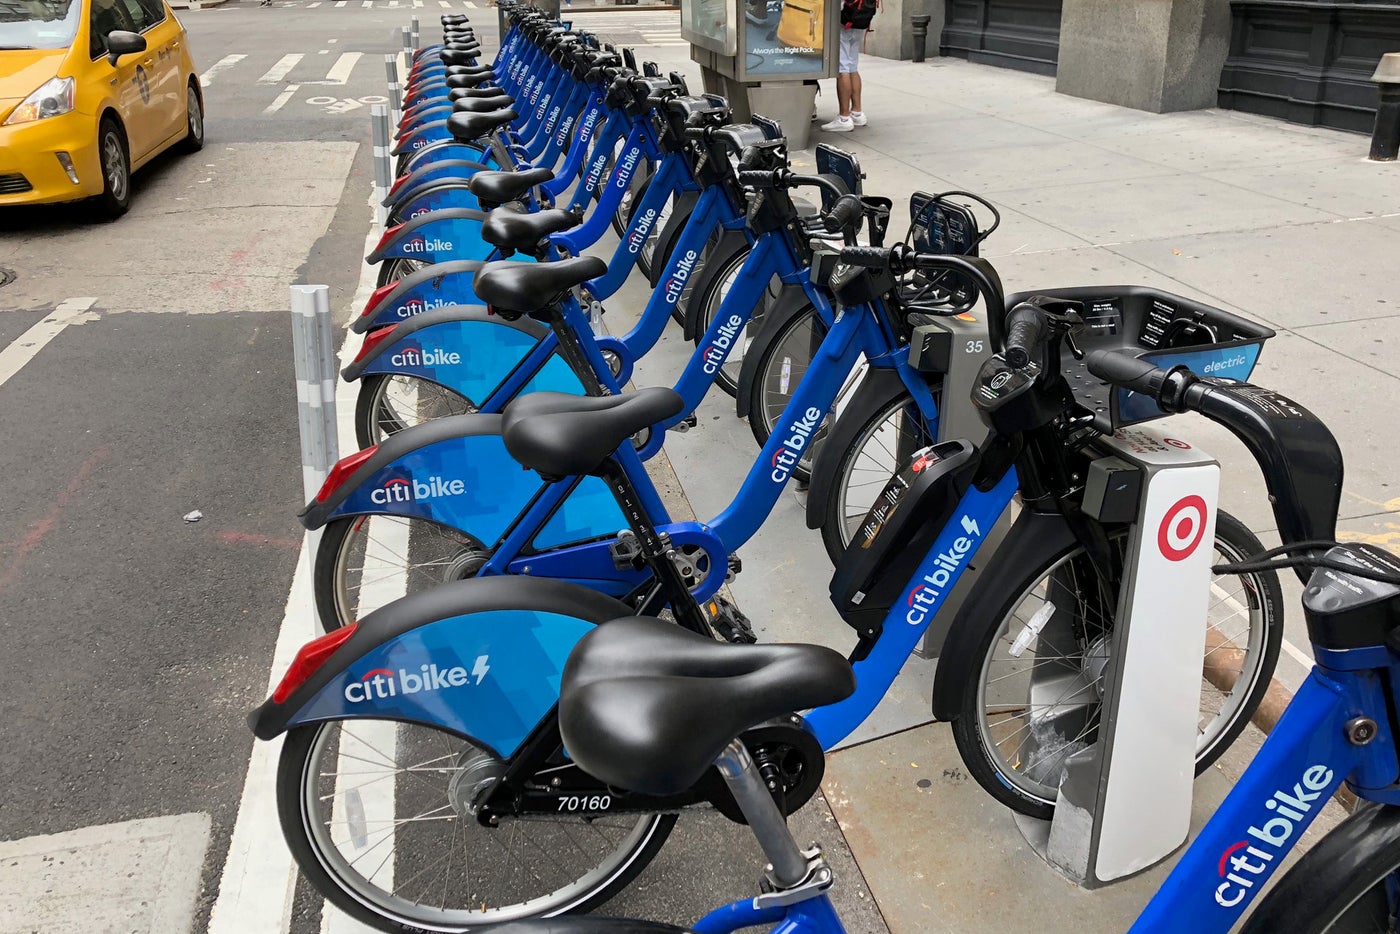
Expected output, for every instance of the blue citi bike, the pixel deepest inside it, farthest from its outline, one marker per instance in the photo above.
(454, 691)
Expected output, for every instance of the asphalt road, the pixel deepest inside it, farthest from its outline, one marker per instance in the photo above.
(137, 641)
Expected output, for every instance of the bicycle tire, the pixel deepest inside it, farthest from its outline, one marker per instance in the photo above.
(376, 418)
(1340, 884)
(301, 777)
(785, 348)
(339, 601)
(838, 522)
(972, 734)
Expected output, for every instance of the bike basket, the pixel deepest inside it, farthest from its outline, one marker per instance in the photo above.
(897, 533)
(1157, 326)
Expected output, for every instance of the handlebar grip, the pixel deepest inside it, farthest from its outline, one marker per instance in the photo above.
(1120, 369)
(1025, 332)
(867, 257)
(756, 179)
(844, 214)
(695, 132)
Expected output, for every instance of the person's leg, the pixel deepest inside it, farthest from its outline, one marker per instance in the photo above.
(857, 112)
(843, 94)
(844, 84)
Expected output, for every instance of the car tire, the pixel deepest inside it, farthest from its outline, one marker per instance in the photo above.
(115, 161)
(194, 119)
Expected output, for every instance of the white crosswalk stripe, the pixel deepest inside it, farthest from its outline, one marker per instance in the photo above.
(284, 67)
(223, 64)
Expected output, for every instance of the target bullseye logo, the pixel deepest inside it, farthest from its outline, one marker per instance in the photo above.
(1177, 444)
(1182, 528)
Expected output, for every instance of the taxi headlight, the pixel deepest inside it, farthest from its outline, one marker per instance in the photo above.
(53, 98)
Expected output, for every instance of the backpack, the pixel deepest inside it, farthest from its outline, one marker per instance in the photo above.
(801, 24)
(857, 14)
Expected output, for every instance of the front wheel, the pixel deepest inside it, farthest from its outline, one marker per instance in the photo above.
(1052, 640)
(380, 817)
(115, 199)
(1348, 884)
(778, 370)
(720, 273)
(389, 403)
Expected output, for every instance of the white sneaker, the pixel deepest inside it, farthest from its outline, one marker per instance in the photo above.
(858, 118)
(839, 125)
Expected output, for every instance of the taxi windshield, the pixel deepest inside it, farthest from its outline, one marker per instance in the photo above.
(38, 24)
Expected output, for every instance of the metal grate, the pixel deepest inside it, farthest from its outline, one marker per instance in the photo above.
(14, 184)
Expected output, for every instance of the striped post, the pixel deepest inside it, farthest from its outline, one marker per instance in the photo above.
(383, 165)
(314, 358)
(391, 71)
(413, 33)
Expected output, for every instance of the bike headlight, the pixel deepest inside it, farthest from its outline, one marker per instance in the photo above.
(53, 98)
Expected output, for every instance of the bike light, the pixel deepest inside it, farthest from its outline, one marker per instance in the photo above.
(310, 658)
(389, 234)
(342, 471)
(53, 98)
(372, 340)
(376, 297)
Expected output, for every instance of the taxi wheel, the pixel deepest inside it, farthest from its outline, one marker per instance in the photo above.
(116, 170)
(194, 120)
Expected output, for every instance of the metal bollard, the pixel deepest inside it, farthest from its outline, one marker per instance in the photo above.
(919, 26)
(413, 33)
(315, 376)
(383, 164)
(1385, 139)
(391, 68)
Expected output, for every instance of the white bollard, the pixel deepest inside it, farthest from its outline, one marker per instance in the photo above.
(391, 69)
(314, 356)
(383, 163)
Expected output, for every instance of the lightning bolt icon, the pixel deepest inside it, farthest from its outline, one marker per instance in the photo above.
(969, 525)
(480, 668)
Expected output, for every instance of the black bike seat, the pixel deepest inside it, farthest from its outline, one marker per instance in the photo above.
(478, 80)
(448, 19)
(529, 287)
(467, 127)
(468, 71)
(573, 925)
(648, 706)
(454, 57)
(561, 435)
(470, 47)
(482, 105)
(495, 187)
(516, 230)
(493, 90)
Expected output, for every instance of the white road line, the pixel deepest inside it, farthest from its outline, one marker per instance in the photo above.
(228, 61)
(1297, 654)
(23, 348)
(324, 52)
(312, 6)
(339, 3)
(340, 71)
(259, 878)
(368, 4)
(470, 5)
(280, 100)
(284, 66)
(417, 3)
(444, 4)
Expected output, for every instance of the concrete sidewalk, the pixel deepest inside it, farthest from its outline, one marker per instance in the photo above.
(1285, 225)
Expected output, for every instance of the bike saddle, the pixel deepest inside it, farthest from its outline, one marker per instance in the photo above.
(467, 70)
(517, 230)
(648, 706)
(465, 45)
(524, 288)
(475, 80)
(482, 105)
(561, 435)
(497, 188)
(453, 57)
(452, 19)
(457, 94)
(570, 925)
(467, 127)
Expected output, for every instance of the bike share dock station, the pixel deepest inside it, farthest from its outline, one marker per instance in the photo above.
(765, 57)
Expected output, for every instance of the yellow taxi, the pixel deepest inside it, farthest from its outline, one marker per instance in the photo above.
(91, 90)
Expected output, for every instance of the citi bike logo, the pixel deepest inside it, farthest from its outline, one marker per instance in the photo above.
(553, 119)
(421, 245)
(629, 163)
(931, 587)
(427, 356)
(1246, 865)
(420, 143)
(564, 129)
(639, 236)
(791, 452)
(676, 284)
(412, 490)
(715, 353)
(589, 122)
(416, 306)
(419, 213)
(595, 172)
(382, 683)
(1218, 365)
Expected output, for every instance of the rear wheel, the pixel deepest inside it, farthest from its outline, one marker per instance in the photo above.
(380, 816)
(1014, 742)
(396, 269)
(365, 562)
(389, 403)
(194, 120)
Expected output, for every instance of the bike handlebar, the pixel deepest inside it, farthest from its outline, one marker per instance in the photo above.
(1026, 329)
(846, 213)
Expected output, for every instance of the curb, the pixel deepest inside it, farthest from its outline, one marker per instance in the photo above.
(196, 4)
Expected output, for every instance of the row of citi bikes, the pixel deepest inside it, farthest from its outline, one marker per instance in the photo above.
(530, 670)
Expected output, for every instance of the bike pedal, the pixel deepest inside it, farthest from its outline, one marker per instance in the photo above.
(685, 424)
(729, 623)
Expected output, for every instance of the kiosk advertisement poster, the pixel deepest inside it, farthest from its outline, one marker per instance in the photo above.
(784, 37)
(710, 24)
